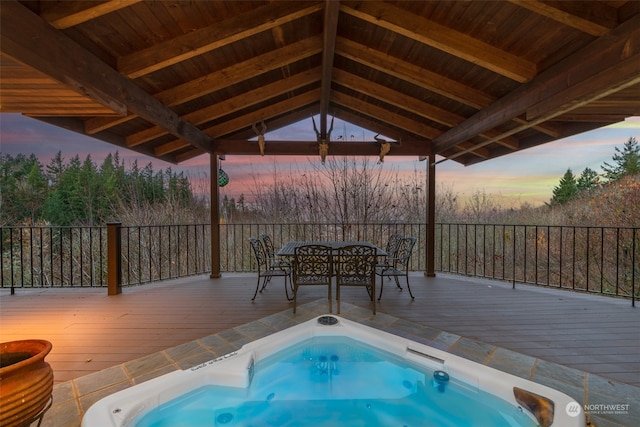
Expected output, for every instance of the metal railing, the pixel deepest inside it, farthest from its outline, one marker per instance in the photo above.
(603, 260)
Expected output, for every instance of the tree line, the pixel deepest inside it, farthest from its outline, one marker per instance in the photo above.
(626, 161)
(342, 191)
(76, 192)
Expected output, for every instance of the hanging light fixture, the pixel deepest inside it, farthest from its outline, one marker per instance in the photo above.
(223, 178)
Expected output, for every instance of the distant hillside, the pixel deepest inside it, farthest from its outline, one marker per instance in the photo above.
(615, 203)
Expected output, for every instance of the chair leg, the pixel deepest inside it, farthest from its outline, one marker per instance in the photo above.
(397, 282)
(295, 298)
(409, 287)
(286, 290)
(373, 297)
(381, 287)
(264, 283)
(256, 292)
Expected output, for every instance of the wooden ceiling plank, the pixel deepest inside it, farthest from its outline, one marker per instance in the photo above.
(574, 21)
(617, 46)
(228, 76)
(212, 37)
(232, 105)
(273, 110)
(67, 14)
(410, 104)
(373, 125)
(443, 38)
(246, 120)
(242, 71)
(379, 113)
(31, 40)
(420, 77)
(331, 13)
(413, 74)
(625, 74)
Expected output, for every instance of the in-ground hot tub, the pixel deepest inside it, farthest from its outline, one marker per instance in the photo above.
(333, 372)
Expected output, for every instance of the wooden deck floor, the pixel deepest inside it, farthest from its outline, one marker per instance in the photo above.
(91, 331)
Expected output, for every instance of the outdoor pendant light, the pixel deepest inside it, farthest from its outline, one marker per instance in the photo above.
(223, 178)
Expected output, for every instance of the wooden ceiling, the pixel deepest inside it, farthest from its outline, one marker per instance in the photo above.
(467, 80)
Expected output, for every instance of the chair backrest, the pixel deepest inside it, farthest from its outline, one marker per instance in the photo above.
(393, 244)
(356, 261)
(268, 245)
(312, 260)
(258, 252)
(405, 250)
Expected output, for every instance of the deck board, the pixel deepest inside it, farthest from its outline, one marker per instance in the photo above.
(91, 331)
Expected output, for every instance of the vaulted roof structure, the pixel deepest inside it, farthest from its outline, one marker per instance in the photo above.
(466, 80)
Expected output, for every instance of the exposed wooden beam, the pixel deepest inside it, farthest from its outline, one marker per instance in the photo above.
(579, 22)
(443, 38)
(408, 103)
(398, 120)
(67, 14)
(234, 125)
(226, 77)
(331, 13)
(418, 76)
(232, 105)
(196, 43)
(310, 148)
(611, 80)
(599, 61)
(373, 125)
(31, 40)
(411, 73)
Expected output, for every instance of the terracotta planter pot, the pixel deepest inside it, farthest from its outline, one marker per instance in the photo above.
(26, 380)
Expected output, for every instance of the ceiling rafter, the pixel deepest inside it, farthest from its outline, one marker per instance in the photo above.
(67, 14)
(331, 13)
(443, 38)
(603, 58)
(233, 125)
(224, 78)
(83, 71)
(213, 37)
(581, 23)
(231, 105)
(411, 104)
(423, 78)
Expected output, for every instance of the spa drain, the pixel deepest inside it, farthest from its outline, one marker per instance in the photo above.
(327, 320)
(224, 418)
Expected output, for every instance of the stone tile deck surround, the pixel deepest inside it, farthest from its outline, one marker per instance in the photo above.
(73, 398)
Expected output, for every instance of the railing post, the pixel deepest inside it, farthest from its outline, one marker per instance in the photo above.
(114, 263)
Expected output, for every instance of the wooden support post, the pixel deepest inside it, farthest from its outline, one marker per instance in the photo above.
(431, 216)
(215, 218)
(114, 263)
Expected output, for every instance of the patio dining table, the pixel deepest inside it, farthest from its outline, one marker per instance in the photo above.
(288, 250)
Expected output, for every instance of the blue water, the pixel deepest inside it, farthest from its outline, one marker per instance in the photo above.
(334, 382)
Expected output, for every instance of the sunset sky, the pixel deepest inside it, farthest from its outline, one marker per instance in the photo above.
(527, 176)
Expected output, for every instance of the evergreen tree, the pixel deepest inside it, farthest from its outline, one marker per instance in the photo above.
(588, 179)
(627, 161)
(565, 190)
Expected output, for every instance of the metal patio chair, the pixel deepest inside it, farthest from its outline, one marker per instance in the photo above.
(391, 248)
(356, 266)
(399, 265)
(274, 260)
(265, 270)
(312, 266)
